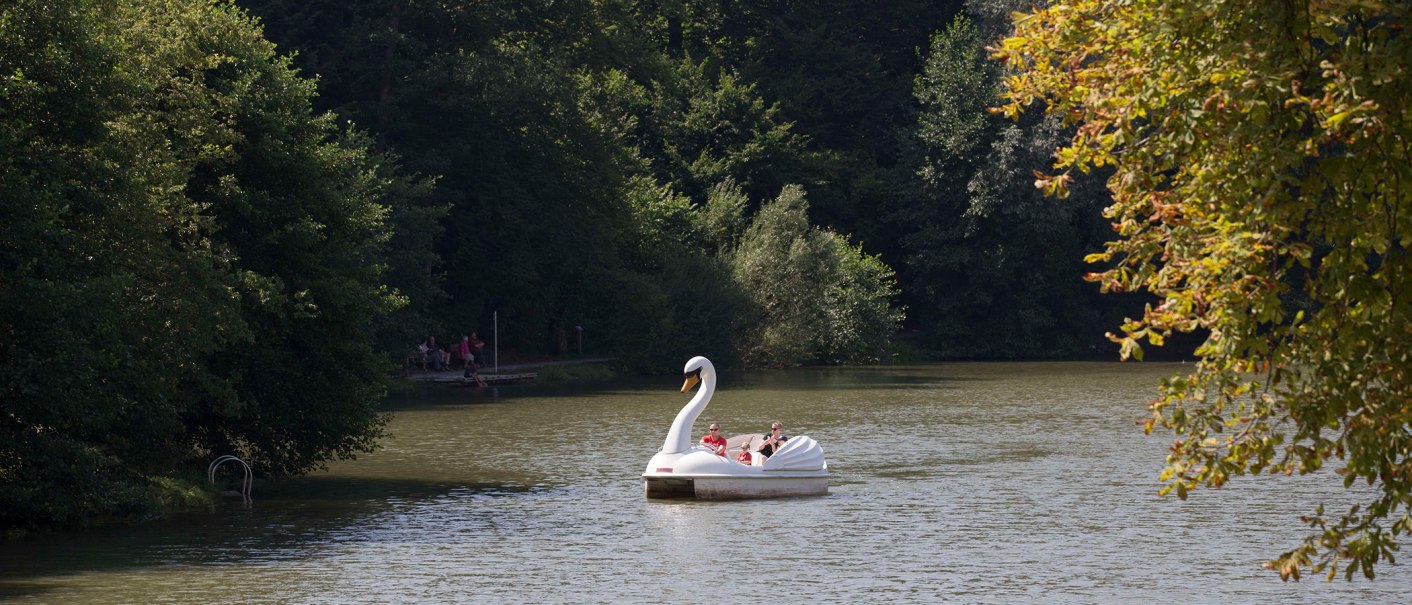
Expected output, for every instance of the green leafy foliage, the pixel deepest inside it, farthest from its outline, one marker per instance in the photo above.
(1260, 190)
(192, 258)
(109, 292)
(993, 265)
(841, 73)
(819, 298)
(584, 163)
(706, 126)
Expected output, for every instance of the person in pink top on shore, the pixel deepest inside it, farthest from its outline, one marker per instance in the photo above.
(715, 440)
(465, 351)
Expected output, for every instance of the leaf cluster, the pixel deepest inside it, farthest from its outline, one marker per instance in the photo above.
(1260, 179)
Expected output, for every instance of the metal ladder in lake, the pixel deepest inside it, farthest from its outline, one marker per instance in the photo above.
(249, 477)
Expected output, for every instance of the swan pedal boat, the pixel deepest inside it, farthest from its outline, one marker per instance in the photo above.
(683, 469)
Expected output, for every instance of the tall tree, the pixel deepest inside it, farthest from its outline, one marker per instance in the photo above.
(696, 126)
(820, 298)
(993, 267)
(1263, 190)
(192, 257)
(841, 71)
(486, 97)
(113, 294)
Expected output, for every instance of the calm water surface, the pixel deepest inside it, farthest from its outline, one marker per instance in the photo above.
(967, 483)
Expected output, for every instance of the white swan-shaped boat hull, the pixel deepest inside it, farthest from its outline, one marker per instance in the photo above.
(797, 469)
(682, 470)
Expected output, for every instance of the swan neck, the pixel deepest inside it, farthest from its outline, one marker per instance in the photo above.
(679, 437)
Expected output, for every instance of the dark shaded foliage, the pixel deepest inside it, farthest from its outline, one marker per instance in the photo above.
(192, 258)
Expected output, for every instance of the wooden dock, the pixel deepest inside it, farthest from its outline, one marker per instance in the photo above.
(458, 376)
(490, 379)
(509, 373)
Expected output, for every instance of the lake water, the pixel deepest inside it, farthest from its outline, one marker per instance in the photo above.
(966, 483)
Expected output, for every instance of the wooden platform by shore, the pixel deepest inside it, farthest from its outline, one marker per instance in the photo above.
(490, 379)
(506, 374)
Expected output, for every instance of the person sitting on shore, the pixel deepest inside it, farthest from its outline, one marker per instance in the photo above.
(472, 375)
(429, 354)
(714, 440)
(477, 348)
(433, 353)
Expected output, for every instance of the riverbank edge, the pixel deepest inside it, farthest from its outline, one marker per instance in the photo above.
(582, 369)
(163, 497)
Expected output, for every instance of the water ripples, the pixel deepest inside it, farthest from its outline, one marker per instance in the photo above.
(992, 483)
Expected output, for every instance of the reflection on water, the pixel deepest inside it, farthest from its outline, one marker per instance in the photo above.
(960, 483)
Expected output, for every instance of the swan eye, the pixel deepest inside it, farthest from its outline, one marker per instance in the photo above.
(696, 373)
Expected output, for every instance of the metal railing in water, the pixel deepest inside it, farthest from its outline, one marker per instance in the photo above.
(244, 486)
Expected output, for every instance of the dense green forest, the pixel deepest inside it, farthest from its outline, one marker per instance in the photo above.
(589, 156)
(224, 223)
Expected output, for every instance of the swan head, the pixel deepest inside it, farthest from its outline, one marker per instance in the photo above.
(698, 370)
(693, 371)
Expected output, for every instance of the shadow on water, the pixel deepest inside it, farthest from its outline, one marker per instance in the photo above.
(288, 519)
(11, 590)
(869, 378)
(376, 489)
(428, 395)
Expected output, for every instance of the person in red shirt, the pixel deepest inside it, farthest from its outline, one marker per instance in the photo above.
(744, 456)
(477, 349)
(714, 440)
